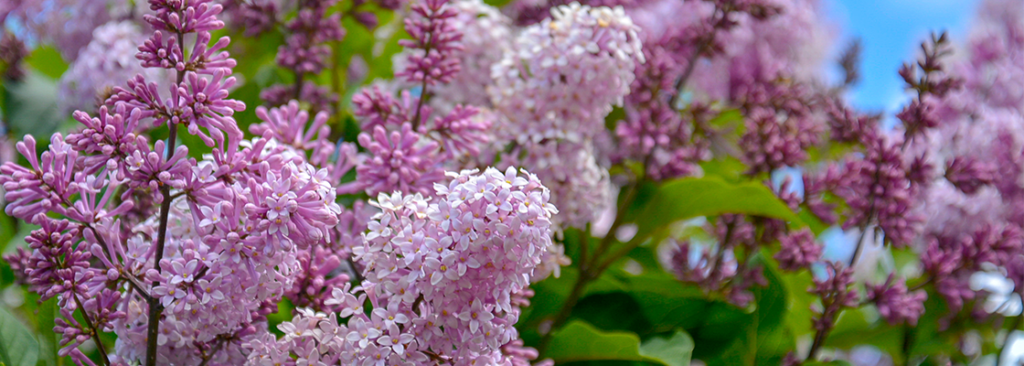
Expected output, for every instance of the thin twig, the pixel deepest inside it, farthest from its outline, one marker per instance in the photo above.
(135, 283)
(165, 208)
(702, 47)
(586, 275)
(216, 348)
(95, 332)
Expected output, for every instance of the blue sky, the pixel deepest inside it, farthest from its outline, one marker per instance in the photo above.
(891, 31)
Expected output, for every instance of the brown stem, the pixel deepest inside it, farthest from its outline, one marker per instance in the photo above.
(423, 85)
(705, 42)
(819, 339)
(821, 334)
(563, 314)
(137, 285)
(208, 356)
(165, 208)
(716, 268)
(298, 85)
(95, 332)
(588, 274)
(357, 275)
(584, 248)
(609, 237)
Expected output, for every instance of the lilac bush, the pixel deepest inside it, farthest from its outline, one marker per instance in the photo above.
(450, 182)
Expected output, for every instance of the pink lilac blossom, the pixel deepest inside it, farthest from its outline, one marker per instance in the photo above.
(66, 24)
(799, 250)
(876, 187)
(579, 186)
(895, 303)
(565, 74)
(653, 131)
(434, 46)
(108, 61)
(12, 52)
(476, 246)
(486, 36)
(401, 160)
(234, 223)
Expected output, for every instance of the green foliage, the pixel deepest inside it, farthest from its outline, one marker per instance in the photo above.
(48, 61)
(31, 106)
(672, 350)
(579, 341)
(692, 197)
(18, 346)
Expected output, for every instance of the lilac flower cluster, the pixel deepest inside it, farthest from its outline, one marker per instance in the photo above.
(195, 276)
(12, 51)
(66, 24)
(442, 278)
(108, 61)
(566, 73)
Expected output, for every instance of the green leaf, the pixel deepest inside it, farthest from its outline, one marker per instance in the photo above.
(827, 363)
(497, 3)
(667, 303)
(773, 339)
(739, 334)
(7, 229)
(692, 197)
(18, 346)
(579, 341)
(32, 106)
(48, 61)
(48, 341)
(674, 350)
(853, 329)
(18, 239)
(726, 118)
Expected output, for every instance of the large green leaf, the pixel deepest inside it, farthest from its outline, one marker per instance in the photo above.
(692, 197)
(579, 341)
(853, 329)
(674, 350)
(667, 303)
(774, 341)
(32, 104)
(48, 61)
(738, 344)
(48, 340)
(18, 346)
(551, 293)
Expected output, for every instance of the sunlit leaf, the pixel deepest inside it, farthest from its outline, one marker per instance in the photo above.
(18, 346)
(673, 350)
(693, 197)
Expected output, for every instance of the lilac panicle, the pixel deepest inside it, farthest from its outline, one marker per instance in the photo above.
(435, 43)
(876, 187)
(895, 303)
(968, 174)
(799, 251)
(564, 74)
(401, 160)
